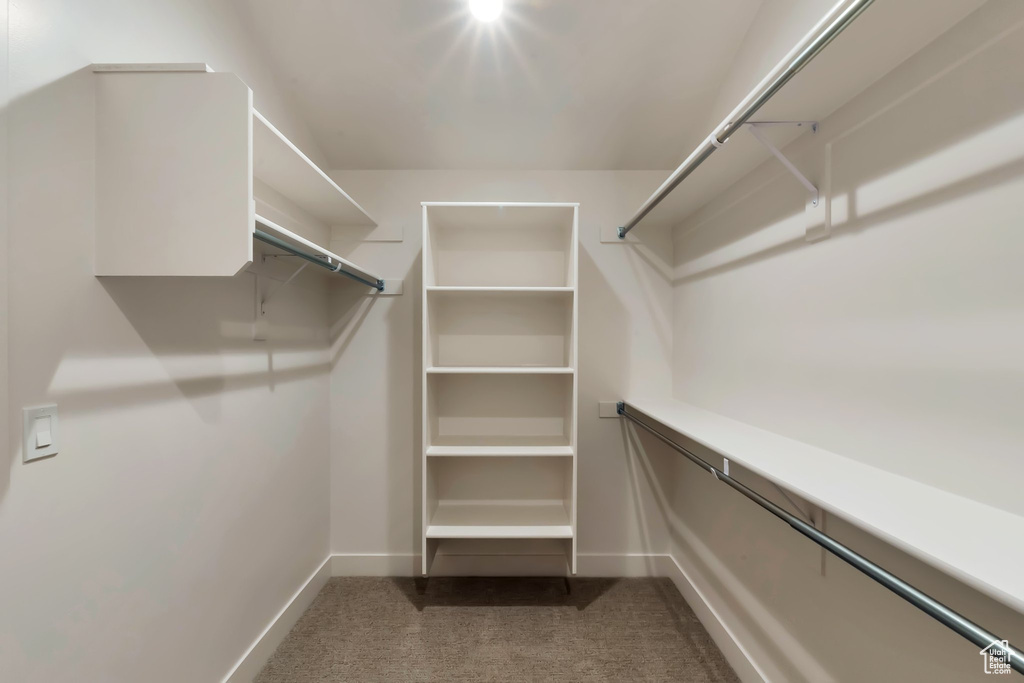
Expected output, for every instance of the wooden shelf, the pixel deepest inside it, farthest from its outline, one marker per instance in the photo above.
(500, 520)
(499, 370)
(283, 166)
(960, 536)
(500, 451)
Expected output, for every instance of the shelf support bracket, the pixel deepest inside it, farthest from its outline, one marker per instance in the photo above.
(754, 128)
(815, 520)
(799, 510)
(262, 297)
(271, 295)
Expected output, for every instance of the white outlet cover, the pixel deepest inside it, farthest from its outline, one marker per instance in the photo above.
(38, 421)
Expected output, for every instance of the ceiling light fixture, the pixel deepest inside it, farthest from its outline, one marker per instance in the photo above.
(486, 10)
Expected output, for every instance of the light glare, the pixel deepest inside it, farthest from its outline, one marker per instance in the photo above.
(486, 10)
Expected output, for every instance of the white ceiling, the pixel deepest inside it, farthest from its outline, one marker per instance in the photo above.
(554, 84)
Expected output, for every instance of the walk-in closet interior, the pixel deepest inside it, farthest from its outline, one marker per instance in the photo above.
(511, 340)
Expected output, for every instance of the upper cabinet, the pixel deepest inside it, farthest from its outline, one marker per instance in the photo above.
(182, 158)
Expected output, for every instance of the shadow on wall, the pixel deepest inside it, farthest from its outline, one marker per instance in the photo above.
(193, 348)
(657, 252)
(163, 339)
(349, 307)
(900, 160)
(712, 511)
(406, 456)
(604, 360)
(45, 132)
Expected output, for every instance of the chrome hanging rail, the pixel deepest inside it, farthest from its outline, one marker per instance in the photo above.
(327, 260)
(927, 604)
(790, 67)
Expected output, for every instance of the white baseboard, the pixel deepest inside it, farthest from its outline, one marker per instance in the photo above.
(374, 564)
(733, 650)
(588, 564)
(258, 654)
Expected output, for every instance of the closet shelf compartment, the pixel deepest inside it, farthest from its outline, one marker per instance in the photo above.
(499, 328)
(501, 246)
(954, 534)
(284, 167)
(496, 520)
(499, 409)
(500, 451)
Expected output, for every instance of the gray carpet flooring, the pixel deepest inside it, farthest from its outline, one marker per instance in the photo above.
(488, 629)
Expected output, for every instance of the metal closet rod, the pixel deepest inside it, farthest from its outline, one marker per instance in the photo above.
(742, 114)
(924, 602)
(313, 258)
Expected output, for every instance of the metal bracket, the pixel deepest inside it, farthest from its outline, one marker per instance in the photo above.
(271, 295)
(754, 126)
(799, 510)
(818, 523)
(261, 296)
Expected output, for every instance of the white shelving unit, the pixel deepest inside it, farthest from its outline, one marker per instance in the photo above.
(950, 532)
(500, 388)
(182, 158)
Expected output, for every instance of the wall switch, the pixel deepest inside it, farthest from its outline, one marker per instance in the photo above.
(608, 408)
(40, 432)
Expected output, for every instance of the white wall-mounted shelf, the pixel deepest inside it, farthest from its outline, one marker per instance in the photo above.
(956, 535)
(895, 30)
(181, 160)
(499, 385)
(284, 167)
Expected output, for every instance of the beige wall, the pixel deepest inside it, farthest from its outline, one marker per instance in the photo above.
(625, 343)
(4, 230)
(896, 342)
(189, 499)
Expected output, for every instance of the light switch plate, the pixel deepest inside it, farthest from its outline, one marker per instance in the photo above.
(38, 422)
